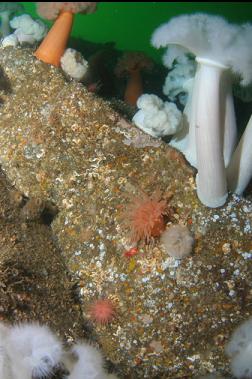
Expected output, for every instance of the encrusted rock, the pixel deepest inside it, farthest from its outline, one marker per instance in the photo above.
(61, 144)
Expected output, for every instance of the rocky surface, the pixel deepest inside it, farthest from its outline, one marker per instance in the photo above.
(34, 281)
(68, 149)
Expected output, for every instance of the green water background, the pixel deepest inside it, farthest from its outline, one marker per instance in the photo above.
(130, 24)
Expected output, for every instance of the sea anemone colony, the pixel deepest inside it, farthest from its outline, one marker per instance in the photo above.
(31, 350)
(144, 217)
(110, 258)
(218, 47)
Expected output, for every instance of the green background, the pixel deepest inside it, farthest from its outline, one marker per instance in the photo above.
(130, 25)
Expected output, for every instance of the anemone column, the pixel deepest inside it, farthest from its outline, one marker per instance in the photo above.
(239, 171)
(228, 114)
(190, 112)
(209, 129)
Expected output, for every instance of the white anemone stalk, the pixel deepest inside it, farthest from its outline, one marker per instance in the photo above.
(229, 132)
(211, 178)
(230, 129)
(218, 46)
(190, 112)
(239, 171)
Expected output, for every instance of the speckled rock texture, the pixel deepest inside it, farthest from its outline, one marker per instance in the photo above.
(61, 144)
(34, 283)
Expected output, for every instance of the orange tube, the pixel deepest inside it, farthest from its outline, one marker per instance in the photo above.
(134, 87)
(54, 44)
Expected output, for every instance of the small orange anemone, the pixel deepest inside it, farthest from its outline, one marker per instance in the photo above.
(144, 216)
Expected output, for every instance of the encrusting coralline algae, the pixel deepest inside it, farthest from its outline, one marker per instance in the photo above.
(61, 144)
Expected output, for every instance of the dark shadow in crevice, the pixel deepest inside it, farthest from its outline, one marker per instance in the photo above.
(49, 213)
(5, 84)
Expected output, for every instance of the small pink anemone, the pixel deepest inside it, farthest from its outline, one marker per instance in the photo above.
(144, 216)
(102, 311)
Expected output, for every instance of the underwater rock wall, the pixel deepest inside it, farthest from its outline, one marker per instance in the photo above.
(61, 144)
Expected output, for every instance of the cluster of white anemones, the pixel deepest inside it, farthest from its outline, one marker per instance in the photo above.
(208, 134)
(32, 351)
